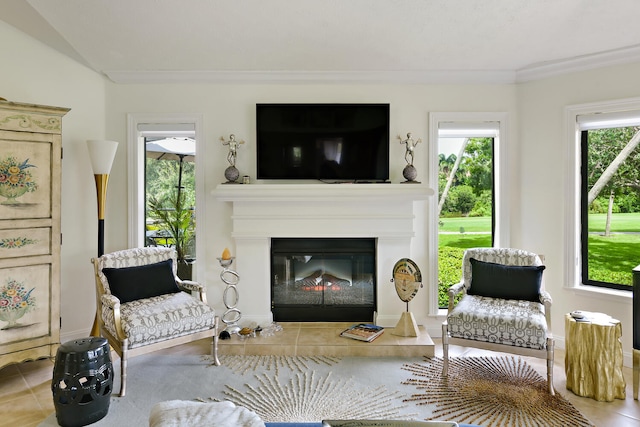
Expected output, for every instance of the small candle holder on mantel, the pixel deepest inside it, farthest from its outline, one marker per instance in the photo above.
(230, 297)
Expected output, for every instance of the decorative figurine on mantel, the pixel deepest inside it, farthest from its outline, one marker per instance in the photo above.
(409, 172)
(232, 173)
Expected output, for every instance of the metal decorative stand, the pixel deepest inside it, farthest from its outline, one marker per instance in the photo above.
(232, 316)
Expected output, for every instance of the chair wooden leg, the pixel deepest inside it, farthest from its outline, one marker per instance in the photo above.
(636, 372)
(445, 350)
(550, 356)
(123, 367)
(214, 343)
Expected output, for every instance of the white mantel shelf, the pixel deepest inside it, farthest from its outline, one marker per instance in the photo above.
(321, 192)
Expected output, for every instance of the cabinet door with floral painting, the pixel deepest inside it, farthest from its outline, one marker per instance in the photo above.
(25, 180)
(30, 234)
(24, 303)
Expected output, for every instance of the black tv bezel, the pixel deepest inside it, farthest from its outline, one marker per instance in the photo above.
(386, 167)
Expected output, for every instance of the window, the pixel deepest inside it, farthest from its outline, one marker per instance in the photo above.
(609, 197)
(170, 197)
(466, 159)
(144, 129)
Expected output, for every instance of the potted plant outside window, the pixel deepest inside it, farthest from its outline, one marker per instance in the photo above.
(176, 218)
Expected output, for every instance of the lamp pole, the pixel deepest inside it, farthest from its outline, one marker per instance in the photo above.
(101, 190)
(102, 154)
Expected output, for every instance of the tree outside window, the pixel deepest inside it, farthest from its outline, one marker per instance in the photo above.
(170, 199)
(610, 205)
(465, 208)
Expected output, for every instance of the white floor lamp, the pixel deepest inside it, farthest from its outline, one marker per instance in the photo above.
(102, 153)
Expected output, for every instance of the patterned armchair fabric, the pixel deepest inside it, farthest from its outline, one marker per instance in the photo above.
(151, 320)
(148, 324)
(509, 325)
(505, 256)
(135, 257)
(509, 322)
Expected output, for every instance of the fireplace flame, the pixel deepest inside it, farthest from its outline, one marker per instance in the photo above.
(321, 281)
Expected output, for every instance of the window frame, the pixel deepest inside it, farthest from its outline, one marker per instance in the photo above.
(136, 173)
(573, 243)
(584, 216)
(501, 190)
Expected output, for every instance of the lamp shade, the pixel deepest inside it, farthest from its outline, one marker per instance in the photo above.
(102, 153)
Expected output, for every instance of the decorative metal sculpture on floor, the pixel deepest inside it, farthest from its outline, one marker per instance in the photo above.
(408, 280)
(230, 297)
(409, 172)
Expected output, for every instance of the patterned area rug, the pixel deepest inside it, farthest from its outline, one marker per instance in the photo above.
(311, 397)
(490, 391)
(290, 389)
(495, 391)
(250, 364)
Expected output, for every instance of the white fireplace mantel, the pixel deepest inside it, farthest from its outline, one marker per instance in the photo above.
(260, 212)
(321, 192)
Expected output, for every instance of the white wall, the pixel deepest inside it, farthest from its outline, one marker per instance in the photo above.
(34, 73)
(231, 109)
(539, 222)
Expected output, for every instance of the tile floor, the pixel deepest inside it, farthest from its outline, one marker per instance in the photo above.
(25, 389)
(311, 338)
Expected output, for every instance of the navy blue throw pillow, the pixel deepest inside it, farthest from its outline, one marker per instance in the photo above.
(145, 281)
(505, 281)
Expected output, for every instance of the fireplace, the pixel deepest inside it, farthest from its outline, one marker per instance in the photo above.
(391, 215)
(323, 279)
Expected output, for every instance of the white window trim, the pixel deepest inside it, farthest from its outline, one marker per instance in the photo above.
(135, 170)
(501, 144)
(572, 249)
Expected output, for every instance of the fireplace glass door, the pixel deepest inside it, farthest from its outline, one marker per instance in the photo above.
(323, 280)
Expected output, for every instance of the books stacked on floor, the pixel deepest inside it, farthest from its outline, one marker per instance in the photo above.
(363, 332)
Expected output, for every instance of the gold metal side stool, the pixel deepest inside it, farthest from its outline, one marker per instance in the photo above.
(593, 358)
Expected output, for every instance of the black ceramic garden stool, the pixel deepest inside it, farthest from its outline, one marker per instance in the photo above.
(82, 381)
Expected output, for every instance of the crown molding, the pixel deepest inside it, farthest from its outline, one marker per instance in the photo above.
(530, 73)
(544, 70)
(314, 77)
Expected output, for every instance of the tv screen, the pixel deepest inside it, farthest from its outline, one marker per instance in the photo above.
(333, 142)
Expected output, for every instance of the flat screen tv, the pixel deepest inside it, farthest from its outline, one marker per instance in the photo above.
(328, 142)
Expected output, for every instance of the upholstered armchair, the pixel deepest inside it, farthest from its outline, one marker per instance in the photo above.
(503, 306)
(142, 305)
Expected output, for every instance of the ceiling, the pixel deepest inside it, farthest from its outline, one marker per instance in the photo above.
(333, 40)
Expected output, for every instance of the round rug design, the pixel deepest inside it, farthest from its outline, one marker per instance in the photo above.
(244, 364)
(490, 391)
(309, 397)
